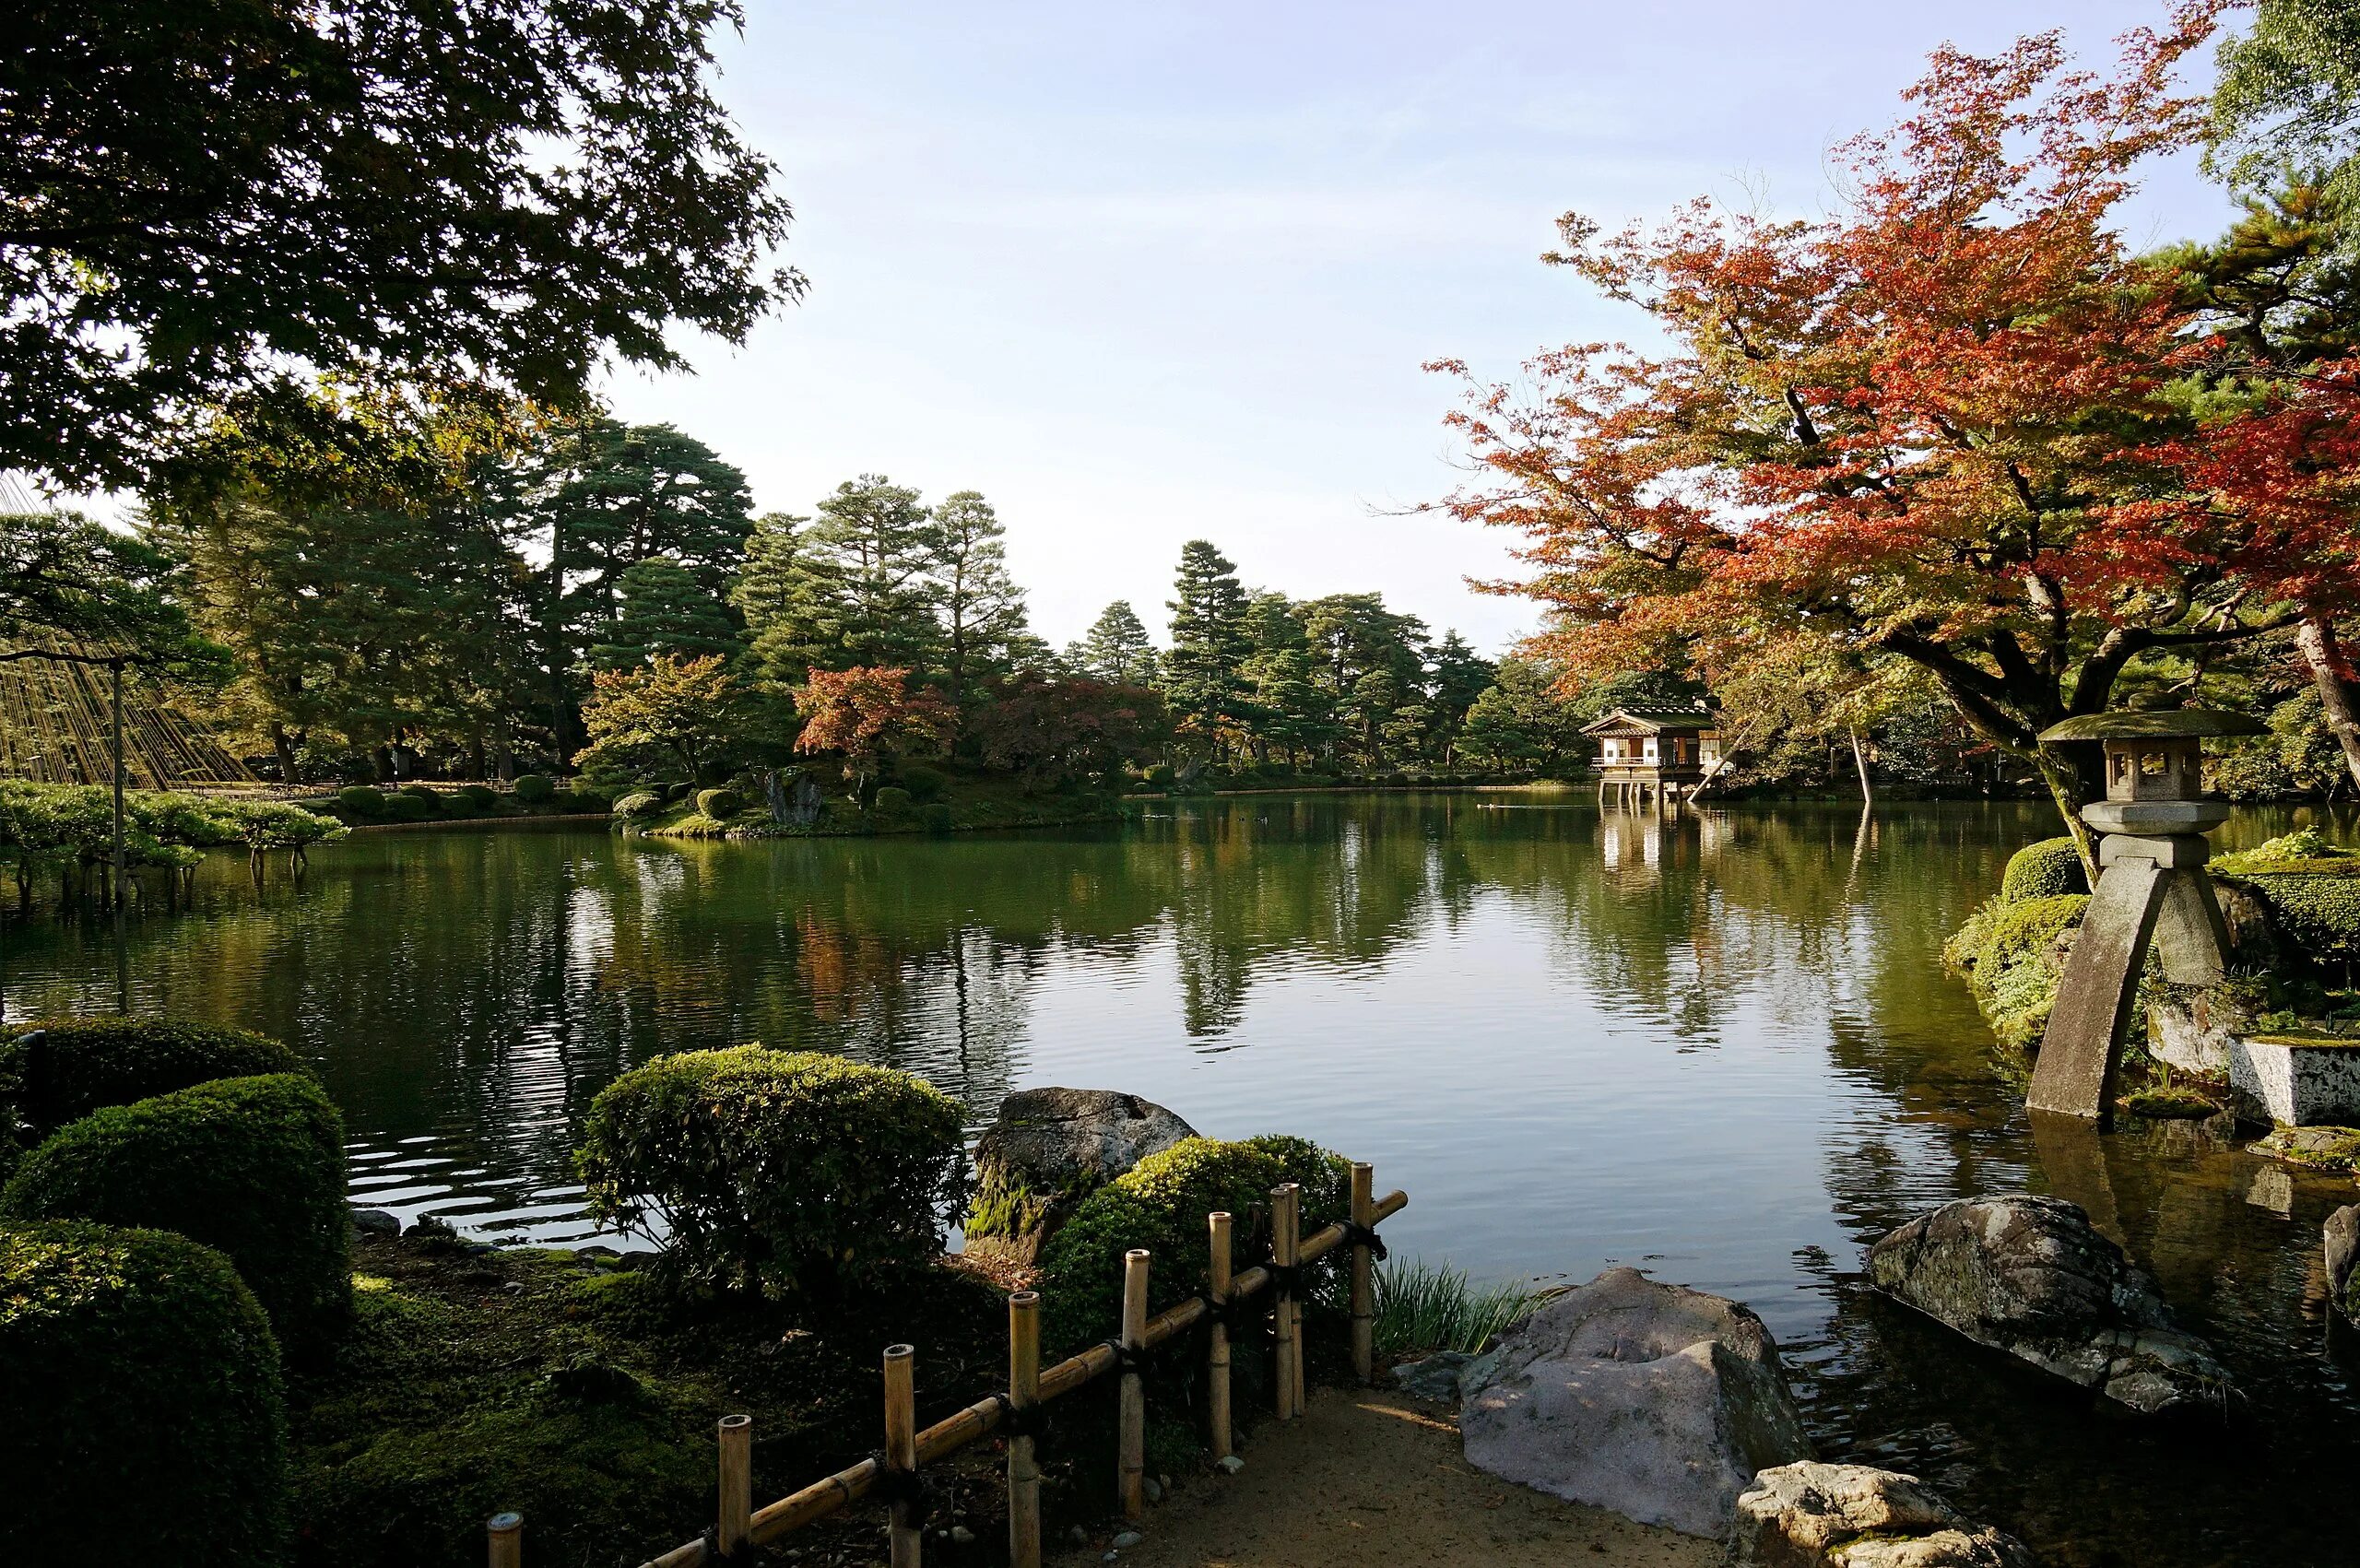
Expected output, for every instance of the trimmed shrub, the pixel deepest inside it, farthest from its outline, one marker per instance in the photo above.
(788, 1172)
(144, 1403)
(891, 801)
(2312, 889)
(534, 789)
(78, 1064)
(422, 792)
(720, 804)
(2029, 929)
(640, 803)
(935, 817)
(477, 796)
(252, 1166)
(409, 807)
(2043, 870)
(924, 783)
(362, 800)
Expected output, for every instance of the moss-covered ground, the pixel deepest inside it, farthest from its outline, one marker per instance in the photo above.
(567, 1388)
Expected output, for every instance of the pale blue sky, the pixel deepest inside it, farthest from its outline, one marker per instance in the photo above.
(1142, 274)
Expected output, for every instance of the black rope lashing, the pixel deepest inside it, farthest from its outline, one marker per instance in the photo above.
(1237, 1314)
(1287, 1277)
(905, 1488)
(1364, 1236)
(1126, 1359)
(1025, 1420)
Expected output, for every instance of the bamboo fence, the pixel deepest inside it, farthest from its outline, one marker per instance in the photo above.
(894, 1475)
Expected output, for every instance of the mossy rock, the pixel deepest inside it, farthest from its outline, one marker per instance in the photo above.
(1051, 1149)
(2321, 1148)
(144, 1410)
(2169, 1104)
(2043, 870)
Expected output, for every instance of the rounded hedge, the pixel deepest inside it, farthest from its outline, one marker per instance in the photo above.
(892, 801)
(478, 796)
(788, 1172)
(409, 807)
(924, 783)
(1161, 1204)
(640, 803)
(2043, 870)
(55, 1070)
(144, 1403)
(533, 788)
(720, 804)
(252, 1166)
(362, 800)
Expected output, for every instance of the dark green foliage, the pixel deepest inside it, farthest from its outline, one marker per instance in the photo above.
(80, 1065)
(362, 801)
(892, 801)
(144, 1404)
(409, 807)
(252, 1166)
(719, 804)
(924, 783)
(2043, 870)
(937, 817)
(1160, 1205)
(662, 611)
(786, 1172)
(535, 789)
(478, 798)
(1202, 679)
(2312, 889)
(511, 194)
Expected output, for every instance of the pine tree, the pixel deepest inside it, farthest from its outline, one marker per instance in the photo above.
(1457, 676)
(1117, 649)
(981, 606)
(664, 613)
(856, 591)
(765, 587)
(1210, 644)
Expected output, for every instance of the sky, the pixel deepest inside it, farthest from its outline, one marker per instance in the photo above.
(1147, 274)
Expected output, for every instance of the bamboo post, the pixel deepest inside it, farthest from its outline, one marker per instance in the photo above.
(1363, 1282)
(505, 1540)
(1131, 1475)
(1217, 1342)
(1285, 1223)
(737, 1469)
(902, 1450)
(1023, 1394)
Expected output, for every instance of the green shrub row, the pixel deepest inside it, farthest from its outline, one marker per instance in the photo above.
(421, 803)
(251, 1166)
(54, 1071)
(144, 1417)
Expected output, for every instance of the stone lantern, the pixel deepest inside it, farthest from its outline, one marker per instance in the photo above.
(2152, 888)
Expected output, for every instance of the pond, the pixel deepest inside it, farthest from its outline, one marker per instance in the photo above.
(1720, 1047)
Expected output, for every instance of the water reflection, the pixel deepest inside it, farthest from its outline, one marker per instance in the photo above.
(1715, 1042)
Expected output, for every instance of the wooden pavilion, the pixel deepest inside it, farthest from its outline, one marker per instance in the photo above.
(1643, 754)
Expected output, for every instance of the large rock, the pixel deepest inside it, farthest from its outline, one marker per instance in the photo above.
(2342, 1240)
(1812, 1515)
(2032, 1276)
(1657, 1402)
(1050, 1149)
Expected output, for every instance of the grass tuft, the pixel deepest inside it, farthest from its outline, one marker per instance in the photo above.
(1425, 1307)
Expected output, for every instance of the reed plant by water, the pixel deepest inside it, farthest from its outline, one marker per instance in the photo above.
(1425, 1307)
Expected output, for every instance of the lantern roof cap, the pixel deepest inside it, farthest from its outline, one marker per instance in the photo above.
(2154, 723)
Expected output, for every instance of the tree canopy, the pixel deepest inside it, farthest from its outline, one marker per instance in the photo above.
(197, 200)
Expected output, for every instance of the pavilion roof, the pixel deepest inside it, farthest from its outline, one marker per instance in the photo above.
(1651, 721)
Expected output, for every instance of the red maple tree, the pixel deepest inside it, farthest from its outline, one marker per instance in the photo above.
(1958, 422)
(868, 714)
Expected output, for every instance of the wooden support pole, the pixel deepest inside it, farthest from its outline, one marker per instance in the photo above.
(1364, 1281)
(1285, 1220)
(736, 1520)
(1131, 1455)
(1217, 1342)
(1023, 1394)
(902, 1449)
(505, 1540)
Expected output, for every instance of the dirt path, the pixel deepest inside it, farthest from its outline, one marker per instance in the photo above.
(1378, 1478)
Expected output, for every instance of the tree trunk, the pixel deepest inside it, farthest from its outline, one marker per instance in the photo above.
(1860, 762)
(2072, 792)
(285, 750)
(2339, 690)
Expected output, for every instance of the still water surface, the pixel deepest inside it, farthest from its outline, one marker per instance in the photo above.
(1722, 1048)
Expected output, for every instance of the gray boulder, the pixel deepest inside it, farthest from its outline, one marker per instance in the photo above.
(1437, 1378)
(1657, 1402)
(2344, 1260)
(1050, 1149)
(2032, 1276)
(1814, 1516)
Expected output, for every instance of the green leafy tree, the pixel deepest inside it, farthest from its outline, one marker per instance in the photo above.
(665, 613)
(2288, 97)
(686, 714)
(1202, 674)
(980, 605)
(513, 192)
(859, 591)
